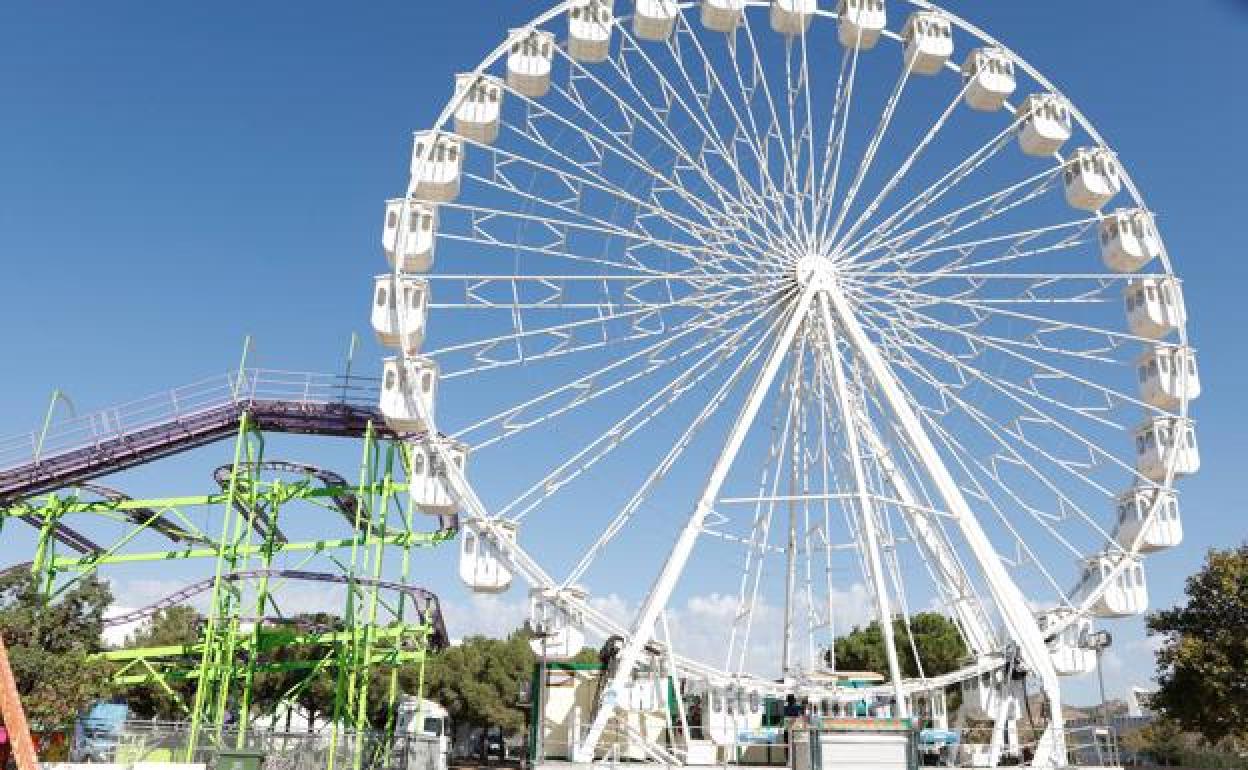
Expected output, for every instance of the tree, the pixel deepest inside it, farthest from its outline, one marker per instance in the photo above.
(479, 680)
(169, 627)
(940, 645)
(1202, 684)
(51, 646)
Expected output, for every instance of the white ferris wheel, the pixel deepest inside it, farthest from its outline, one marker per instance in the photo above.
(772, 299)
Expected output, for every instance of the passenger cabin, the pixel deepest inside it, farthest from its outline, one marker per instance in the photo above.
(437, 163)
(1125, 595)
(530, 60)
(792, 17)
(427, 479)
(559, 626)
(484, 563)
(1066, 647)
(983, 694)
(589, 30)
(408, 235)
(1154, 307)
(1168, 376)
(479, 110)
(860, 22)
(408, 387)
(1045, 124)
(1166, 443)
(989, 77)
(722, 15)
(1129, 240)
(400, 306)
(1165, 530)
(654, 19)
(1092, 178)
(928, 37)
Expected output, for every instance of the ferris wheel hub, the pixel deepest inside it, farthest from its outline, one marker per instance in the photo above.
(815, 267)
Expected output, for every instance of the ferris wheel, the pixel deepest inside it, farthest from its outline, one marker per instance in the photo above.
(768, 300)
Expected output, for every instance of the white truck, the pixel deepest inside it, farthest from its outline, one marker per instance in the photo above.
(422, 717)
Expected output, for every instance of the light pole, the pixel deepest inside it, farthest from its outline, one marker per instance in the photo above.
(1099, 641)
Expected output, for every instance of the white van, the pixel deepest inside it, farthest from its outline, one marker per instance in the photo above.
(418, 716)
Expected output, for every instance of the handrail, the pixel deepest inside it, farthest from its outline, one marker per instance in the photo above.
(176, 404)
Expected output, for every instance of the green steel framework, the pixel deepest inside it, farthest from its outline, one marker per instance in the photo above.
(380, 633)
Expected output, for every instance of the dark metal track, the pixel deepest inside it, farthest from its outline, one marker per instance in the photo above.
(426, 602)
(181, 434)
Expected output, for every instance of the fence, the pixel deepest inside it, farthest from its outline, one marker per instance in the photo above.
(167, 742)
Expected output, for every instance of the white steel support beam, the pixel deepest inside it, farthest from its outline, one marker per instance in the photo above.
(866, 507)
(979, 635)
(661, 592)
(1019, 621)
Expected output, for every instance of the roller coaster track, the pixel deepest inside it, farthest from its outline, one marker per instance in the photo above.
(93, 445)
(425, 602)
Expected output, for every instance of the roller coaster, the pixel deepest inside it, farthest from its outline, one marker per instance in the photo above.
(233, 534)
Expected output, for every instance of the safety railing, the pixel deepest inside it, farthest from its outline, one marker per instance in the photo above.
(182, 404)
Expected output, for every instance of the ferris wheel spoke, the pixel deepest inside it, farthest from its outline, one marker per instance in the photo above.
(1072, 238)
(776, 225)
(834, 147)
(562, 293)
(757, 196)
(1010, 438)
(576, 182)
(592, 221)
(713, 229)
(584, 389)
(559, 231)
(639, 417)
(790, 169)
(669, 138)
(714, 213)
(526, 345)
(977, 472)
(946, 226)
(873, 146)
(909, 210)
(904, 169)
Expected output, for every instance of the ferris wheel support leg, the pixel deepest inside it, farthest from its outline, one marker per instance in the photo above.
(1019, 622)
(866, 508)
(665, 584)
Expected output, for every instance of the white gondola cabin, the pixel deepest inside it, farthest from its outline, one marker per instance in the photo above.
(792, 17)
(480, 105)
(1045, 124)
(1166, 527)
(589, 30)
(860, 22)
(530, 60)
(558, 625)
(408, 235)
(929, 42)
(408, 387)
(1092, 178)
(484, 564)
(983, 694)
(654, 19)
(428, 481)
(1129, 240)
(400, 307)
(1154, 307)
(1066, 647)
(722, 15)
(989, 77)
(1168, 376)
(1125, 595)
(1165, 443)
(437, 163)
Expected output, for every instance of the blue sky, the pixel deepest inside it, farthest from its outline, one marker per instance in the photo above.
(176, 176)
